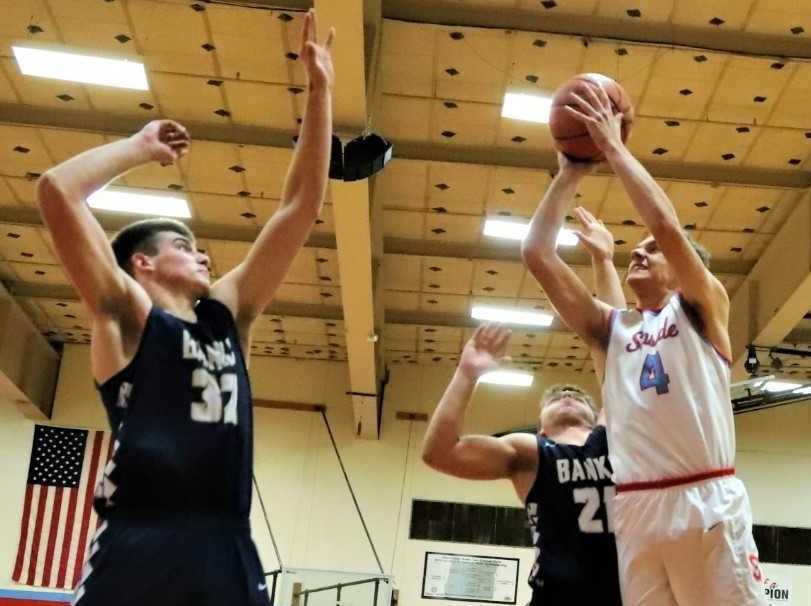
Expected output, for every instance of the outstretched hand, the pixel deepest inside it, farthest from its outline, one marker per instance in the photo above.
(594, 235)
(316, 58)
(485, 351)
(164, 141)
(597, 115)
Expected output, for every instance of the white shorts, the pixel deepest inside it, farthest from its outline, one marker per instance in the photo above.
(688, 545)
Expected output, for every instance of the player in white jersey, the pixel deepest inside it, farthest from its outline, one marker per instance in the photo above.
(682, 520)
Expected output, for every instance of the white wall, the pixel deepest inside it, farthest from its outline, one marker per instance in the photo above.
(16, 434)
(310, 509)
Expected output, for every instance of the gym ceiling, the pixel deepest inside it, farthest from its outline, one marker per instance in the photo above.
(394, 265)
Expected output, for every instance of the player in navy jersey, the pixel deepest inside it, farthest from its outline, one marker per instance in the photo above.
(168, 354)
(561, 475)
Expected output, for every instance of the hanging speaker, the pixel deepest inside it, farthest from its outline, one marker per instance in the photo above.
(365, 156)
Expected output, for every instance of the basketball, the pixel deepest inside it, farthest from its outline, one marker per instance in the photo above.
(570, 135)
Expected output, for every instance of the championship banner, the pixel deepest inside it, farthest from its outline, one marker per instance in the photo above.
(778, 589)
(467, 578)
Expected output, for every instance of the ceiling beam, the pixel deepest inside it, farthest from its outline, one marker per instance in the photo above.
(455, 13)
(510, 251)
(108, 123)
(351, 202)
(289, 5)
(513, 157)
(65, 292)
(28, 216)
(125, 124)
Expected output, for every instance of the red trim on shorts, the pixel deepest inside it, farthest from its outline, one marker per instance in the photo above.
(669, 483)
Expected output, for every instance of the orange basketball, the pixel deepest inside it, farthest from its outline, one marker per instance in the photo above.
(570, 135)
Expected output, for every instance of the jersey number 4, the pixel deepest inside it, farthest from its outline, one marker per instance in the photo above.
(214, 408)
(590, 499)
(654, 375)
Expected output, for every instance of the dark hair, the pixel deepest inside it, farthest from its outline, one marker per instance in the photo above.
(140, 237)
(700, 249)
(555, 391)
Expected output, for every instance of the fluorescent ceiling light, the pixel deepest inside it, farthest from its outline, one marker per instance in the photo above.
(513, 230)
(530, 108)
(88, 69)
(122, 200)
(511, 316)
(507, 377)
(779, 386)
(806, 390)
(566, 237)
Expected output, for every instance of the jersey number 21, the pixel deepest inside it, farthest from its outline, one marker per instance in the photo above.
(590, 498)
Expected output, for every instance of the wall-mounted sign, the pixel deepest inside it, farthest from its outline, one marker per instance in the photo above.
(449, 576)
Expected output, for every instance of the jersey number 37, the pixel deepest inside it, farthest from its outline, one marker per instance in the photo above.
(219, 399)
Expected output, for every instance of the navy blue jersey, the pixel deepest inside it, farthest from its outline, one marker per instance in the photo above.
(576, 557)
(182, 419)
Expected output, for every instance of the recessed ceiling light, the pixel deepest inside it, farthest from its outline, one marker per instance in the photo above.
(530, 108)
(507, 377)
(511, 316)
(128, 201)
(514, 230)
(778, 386)
(87, 69)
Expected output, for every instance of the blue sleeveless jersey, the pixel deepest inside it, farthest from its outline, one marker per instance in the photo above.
(182, 419)
(575, 552)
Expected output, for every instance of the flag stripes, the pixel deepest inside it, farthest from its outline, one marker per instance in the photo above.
(58, 517)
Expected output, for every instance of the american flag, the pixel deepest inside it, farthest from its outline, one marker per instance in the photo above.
(58, 520)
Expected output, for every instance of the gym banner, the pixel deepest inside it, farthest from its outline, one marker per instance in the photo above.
(777, 587)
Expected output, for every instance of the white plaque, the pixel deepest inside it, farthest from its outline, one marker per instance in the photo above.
(468, 578)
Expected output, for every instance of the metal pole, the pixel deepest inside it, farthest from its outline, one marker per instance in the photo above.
(273, 591)
(338, 597)
(377, 585)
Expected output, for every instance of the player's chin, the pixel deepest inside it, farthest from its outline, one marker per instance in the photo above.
(202, 287)
(637, 277)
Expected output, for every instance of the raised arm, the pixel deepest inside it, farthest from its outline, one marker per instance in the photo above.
(696, 283)
(80, 242)
(249, 287)
(473, 457)
(599, 242)
(584, 314)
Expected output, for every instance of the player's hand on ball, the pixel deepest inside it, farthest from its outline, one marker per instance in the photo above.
(485, 351)
(597, 114)
(316, 58)
(594, 235)
(164, 141)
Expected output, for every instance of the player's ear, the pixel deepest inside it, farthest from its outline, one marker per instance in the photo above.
(142, 261)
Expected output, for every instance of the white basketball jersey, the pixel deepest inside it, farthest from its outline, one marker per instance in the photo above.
(666, 392)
